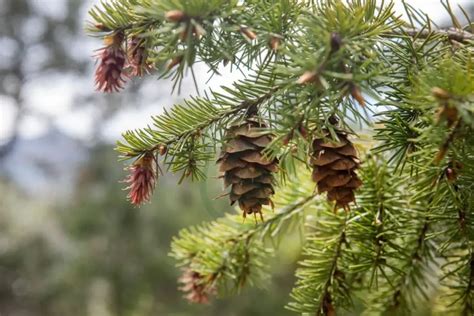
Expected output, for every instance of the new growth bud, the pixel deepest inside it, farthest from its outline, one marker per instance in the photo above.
(275, 43)
(248, 33)
(175, 16)
(308, 77)
(162, 150)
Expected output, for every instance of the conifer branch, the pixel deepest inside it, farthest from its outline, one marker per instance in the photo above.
(184, 130)
(325, 305)
(231, 251)
(315, 62)
(403, 296)
(244, 106)
(460, 36)
(322, 282)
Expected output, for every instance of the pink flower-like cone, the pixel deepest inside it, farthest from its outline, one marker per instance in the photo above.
(142, 179)
(109, 75)
(195, 287)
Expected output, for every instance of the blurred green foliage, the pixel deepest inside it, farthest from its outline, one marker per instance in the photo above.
(97, 255)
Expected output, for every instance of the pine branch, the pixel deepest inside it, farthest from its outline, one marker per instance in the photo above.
(231, 252)
(460, 36)
(405, 291)
(322, 284)
(186, 131)
(315, 63)
(385, 223)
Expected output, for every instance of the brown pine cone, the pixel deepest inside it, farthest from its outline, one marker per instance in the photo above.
(244, 167)
(335, 163)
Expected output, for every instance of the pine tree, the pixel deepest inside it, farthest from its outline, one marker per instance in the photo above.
(379, 106)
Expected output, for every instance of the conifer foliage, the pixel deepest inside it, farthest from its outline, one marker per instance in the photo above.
(380, 107)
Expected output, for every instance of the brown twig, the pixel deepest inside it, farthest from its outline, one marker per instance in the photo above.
(451, 34)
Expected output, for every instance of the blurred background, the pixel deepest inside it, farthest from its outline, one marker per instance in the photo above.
(70, 243)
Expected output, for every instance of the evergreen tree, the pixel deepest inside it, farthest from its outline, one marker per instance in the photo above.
(380, 107)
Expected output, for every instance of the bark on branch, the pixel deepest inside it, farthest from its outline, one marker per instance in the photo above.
(452, 34)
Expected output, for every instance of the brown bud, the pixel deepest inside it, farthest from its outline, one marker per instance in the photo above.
(175, 16)
(114, 39)
(333, 120)
(174, 62)
(451, 174)
(163, 149)
(308, 77)
(440, 94)
(336, 42)
(248, 33)
(452, 170)
(275, 43)
(356, 94)
(102, 27)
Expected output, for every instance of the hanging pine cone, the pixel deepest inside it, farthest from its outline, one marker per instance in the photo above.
(334, 164)
(244, 167)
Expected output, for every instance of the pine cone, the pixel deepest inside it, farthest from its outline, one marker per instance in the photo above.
(335, 163)
(245, 168)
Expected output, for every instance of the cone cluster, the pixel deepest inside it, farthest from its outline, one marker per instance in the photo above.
(245, 169)
(334, 169)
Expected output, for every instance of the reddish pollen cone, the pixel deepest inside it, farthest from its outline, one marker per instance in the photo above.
(137, 58)
(141, 180)
(109, 75)
(196, 288)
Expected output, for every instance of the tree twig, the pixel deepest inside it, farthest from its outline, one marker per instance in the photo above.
(452, 34)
